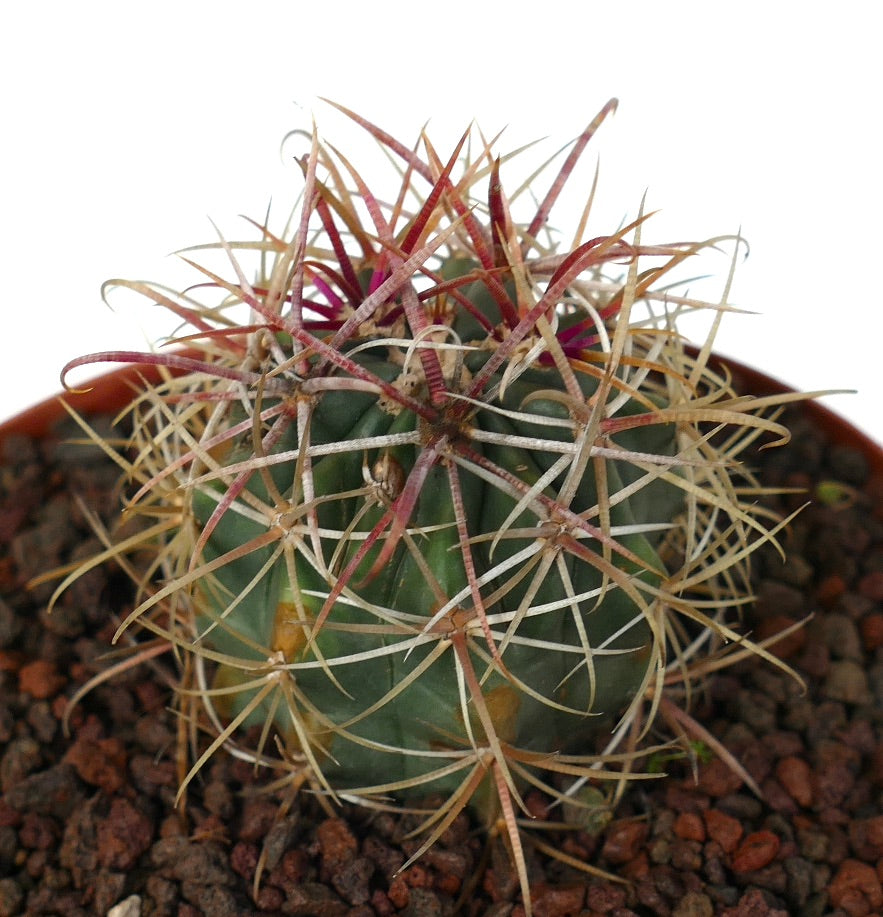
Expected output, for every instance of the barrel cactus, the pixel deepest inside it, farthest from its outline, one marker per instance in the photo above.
(432, 506)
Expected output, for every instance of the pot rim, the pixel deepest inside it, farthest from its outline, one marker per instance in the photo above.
(110, 391)
(105, 393)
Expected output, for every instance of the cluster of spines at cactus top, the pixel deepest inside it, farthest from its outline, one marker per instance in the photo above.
(450, 511)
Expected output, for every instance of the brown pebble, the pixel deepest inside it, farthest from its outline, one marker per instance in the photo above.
(724, 829)
(756, 851)
(362, 910)
(59, 709)
(40, 679)
(866, 837)
(11, 896)
(151, 696)
(686, 856)
(313, 899)
(871, 586)
(292, 869)
(777, 598)
(557, 900)
(815, 660)
(690, 827)
(269, 898)
(855, 606)
(753, 904)
(856, 888)
(352, 881)
(685, 798)
(833, 782)
(9, 817)
(148, 774)
(337, 843)
(38, 832)
(537, 805)
(448, 884)
(717, 778)
(777, 799)
(694, 904)
(258, 815)
(11, 660)
(100, 762)
(417, 876)
(123, 835)
(387, 859)
(871, 629)
(860, 736)
(636, 869)
(830, 589)
(383, 907)
(874, 833)
(244, 859)
(795, 776)
(399, 893)
(785, 647)
(624, 840)
(605, 897)
(847, 681)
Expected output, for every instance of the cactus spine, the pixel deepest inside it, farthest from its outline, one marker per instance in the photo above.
(449, 508)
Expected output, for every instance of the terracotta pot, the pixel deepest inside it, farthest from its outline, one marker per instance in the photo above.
(106, 394)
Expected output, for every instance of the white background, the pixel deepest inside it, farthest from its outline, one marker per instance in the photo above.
(127, 126)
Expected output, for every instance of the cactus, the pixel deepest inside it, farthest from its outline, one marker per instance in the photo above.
(435, 508)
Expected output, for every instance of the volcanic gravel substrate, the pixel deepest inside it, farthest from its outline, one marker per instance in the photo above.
(88, 823)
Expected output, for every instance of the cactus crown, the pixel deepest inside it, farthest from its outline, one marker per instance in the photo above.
(450, 511)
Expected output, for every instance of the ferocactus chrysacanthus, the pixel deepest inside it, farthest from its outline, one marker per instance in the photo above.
(444, 512)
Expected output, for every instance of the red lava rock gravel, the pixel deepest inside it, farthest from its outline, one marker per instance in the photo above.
(88, 824)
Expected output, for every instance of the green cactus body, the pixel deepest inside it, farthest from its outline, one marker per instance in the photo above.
(572, 660)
